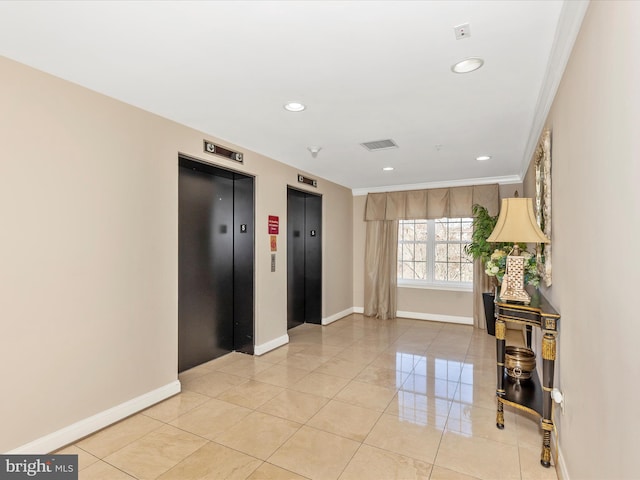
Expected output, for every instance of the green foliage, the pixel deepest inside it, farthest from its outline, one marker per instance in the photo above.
(483, 225)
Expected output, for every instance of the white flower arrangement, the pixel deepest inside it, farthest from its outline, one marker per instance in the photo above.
(497, 263)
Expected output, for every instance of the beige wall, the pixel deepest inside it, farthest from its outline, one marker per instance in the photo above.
(359, 238)
(88, 251)
(509, 190)
(595, 120)
(337, 274)
(436, 303)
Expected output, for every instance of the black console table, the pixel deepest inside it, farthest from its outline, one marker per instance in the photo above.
(531, 395)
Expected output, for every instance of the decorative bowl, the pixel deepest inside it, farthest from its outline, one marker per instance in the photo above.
(519, 362)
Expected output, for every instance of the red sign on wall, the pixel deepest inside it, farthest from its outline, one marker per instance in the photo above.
(274, 225)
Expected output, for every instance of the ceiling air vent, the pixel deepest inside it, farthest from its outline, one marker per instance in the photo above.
(379, 145)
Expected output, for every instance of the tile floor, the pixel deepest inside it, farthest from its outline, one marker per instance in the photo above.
(358, 399)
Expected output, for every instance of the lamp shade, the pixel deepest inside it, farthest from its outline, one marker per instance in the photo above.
(517, 223)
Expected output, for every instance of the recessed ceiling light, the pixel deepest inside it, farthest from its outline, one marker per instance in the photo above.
(387, 169)
(294, 106)
(482, 158)
(467, 65)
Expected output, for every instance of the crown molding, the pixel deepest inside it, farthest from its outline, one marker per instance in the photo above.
(504, 180)
(567, 30)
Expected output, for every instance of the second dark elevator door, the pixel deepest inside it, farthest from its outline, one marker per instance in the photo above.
(215, 263)
(304, 258)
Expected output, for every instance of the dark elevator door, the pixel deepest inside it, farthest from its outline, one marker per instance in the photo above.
(304, 258)
(215, 263)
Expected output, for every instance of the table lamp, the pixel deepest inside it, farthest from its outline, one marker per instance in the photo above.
(516, 223)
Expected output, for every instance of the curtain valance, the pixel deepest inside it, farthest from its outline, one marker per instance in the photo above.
(453, 202)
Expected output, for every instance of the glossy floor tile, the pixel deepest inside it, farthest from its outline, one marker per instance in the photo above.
(357, 399)
(370, 462)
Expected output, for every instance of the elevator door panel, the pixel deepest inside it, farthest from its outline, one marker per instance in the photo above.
(295, 259)
(313, 259)
(304, 258)
(221, 255)
(216, 263)
(203, 246)
(243, 254)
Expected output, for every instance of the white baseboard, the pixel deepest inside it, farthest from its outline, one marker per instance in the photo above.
(434, 317)
(561, 467)
(337, 316)
(270, 345)
(78, 430)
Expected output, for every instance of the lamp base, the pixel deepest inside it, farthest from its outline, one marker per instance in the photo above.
(515, 296)
(513, 281)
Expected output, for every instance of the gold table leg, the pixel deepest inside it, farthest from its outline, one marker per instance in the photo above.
(545, 456)
(548, 361)
(501, 334)
(500, 415)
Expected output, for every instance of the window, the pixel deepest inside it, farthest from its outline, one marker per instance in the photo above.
(431, 252)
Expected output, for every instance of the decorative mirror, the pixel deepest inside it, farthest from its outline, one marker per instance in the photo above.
(543, 204)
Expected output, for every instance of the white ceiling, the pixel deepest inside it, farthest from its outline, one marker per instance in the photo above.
(367, 70)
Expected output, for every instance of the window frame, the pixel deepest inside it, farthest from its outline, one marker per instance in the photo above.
(430, 282)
